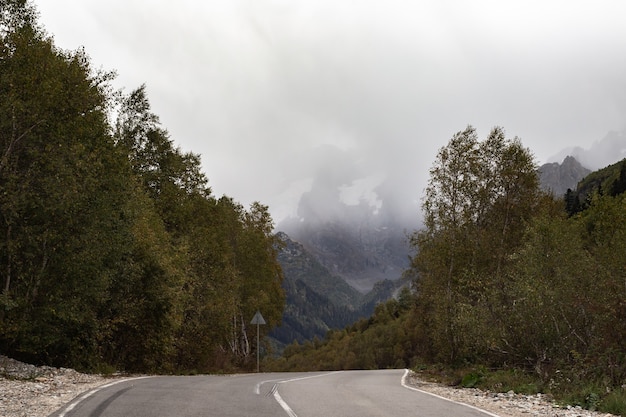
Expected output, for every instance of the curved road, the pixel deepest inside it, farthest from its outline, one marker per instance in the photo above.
(317, 394)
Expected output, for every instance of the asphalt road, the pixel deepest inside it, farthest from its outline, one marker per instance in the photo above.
(316, 394)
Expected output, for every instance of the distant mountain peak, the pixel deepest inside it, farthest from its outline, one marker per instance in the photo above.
(558, 178)
(606, 151)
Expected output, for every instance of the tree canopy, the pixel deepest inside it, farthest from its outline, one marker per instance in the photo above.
(113, 251)
(503, 279)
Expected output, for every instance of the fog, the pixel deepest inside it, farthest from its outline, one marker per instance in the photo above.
(342, 103)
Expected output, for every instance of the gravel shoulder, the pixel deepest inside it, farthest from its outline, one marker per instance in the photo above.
(503, 404)
(32, 391)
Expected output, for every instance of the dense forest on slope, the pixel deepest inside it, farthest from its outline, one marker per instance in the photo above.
(114, 254)
(610, 180)
(503, 278)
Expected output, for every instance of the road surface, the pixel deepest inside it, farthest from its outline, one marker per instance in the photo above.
(317, 394)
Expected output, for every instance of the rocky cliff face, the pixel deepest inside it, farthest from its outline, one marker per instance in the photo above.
(558, 178)
(300, 265)
(360, 253)
(317, 299)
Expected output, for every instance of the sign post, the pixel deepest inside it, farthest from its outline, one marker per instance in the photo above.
(258, 320)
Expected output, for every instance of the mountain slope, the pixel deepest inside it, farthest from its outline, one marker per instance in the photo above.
(318, 300)
(299, 265)
(361, 253)
(558, 178)
(610, 180)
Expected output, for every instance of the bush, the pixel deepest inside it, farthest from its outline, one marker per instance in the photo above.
(614, 403)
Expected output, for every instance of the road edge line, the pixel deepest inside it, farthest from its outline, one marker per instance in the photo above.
(77, 400)
(407, 386)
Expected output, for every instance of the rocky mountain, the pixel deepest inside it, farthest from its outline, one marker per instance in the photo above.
(339, 260)
(577, 163)
(317, 299)
(301, 266)
(558, 178)
(361, 253)
(608, 150)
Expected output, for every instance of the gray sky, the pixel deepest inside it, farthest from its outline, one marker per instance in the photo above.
(357, 96)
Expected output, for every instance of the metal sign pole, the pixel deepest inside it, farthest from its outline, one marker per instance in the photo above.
(257, 347)
(258, 320)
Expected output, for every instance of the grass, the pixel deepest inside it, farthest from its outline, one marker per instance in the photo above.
(589, 395)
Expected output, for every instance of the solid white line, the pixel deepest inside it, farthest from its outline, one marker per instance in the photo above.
(88, 394)
(405, 385)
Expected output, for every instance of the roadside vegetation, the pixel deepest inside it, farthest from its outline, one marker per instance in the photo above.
(114, 254)
(510, 291)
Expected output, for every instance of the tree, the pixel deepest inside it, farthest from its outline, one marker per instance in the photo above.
(112, 250)
(604, 236)
(59, 179)
(479, 196)
(551, 286)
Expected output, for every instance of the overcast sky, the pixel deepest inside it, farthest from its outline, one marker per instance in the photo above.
(278, 95)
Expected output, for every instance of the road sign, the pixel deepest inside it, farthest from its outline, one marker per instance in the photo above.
(258, 318)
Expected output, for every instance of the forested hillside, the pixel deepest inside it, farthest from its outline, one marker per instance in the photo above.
(318, 301)
(504, 279)
(610, 181)
(114, 254)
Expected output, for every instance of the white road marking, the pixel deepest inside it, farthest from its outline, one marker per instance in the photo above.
(284, 405)
(278, 398)
(257, 387)
(405, 385)
(88, 394)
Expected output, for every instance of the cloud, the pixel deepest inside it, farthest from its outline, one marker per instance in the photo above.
(285, 97)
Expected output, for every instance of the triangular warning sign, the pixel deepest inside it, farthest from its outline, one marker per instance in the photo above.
(258, 318)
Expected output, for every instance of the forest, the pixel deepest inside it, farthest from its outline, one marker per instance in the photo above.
(511, 287)
(114, 254)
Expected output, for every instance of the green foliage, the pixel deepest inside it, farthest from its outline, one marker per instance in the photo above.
(383, 341)
(477, 203)
(610, 180)
(471, 380)
(512, 379)
(511, 292)
(614, 403)
(113, 253)
(548, 301)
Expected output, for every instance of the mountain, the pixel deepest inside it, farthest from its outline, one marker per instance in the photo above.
(318, 300)
(558, 178)
(360, 252)
(608, 150)
(610, 180)
(299, 265)
(340, 258)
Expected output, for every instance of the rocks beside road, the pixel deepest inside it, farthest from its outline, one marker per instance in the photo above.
(507, 404)
(37, 391)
